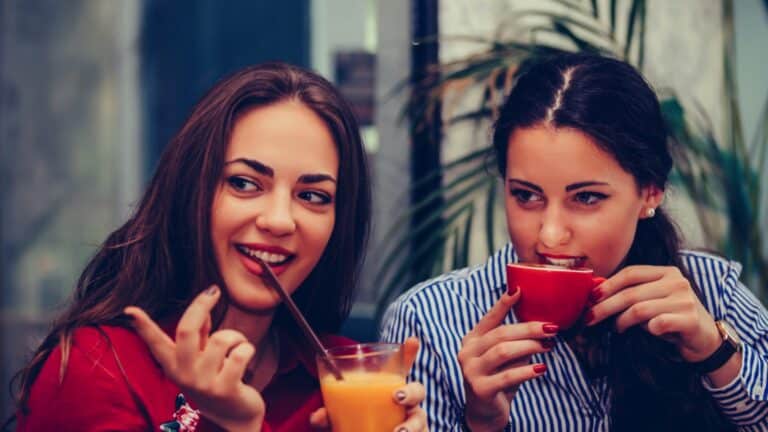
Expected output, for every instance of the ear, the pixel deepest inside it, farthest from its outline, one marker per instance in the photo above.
(652, 197)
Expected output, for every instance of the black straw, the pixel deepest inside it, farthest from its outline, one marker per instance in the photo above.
(271, 279)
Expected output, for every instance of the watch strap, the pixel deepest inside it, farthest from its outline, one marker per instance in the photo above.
(718, 358)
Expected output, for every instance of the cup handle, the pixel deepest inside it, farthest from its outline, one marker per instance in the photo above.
(597, 280)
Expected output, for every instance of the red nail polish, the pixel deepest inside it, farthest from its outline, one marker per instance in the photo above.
(540, 368)
(548, 343)
(550, 328)
(512, 290)
(595, 295)
(589, 316)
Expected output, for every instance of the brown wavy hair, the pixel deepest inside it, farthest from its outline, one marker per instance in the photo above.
(607, 99)
(161, 257)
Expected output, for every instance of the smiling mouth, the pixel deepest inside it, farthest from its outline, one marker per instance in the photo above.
(271, 258)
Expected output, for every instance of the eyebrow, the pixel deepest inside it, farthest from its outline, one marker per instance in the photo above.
(269, 172)
(255, 165)
(568, 188)
(537, 188)
(315, 178)
(580, 185)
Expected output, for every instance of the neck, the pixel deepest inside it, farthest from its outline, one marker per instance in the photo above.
(255, 327)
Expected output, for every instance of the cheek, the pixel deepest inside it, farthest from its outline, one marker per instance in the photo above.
(607, 242)
(320, 231)
(218, 222)
(523, 227)
(226, 214)
(229, 217)
(324, 236)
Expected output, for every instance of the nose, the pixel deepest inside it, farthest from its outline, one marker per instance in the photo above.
(555, 230)
(276, 216)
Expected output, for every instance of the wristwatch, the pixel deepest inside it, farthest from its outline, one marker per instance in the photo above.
(730, 346)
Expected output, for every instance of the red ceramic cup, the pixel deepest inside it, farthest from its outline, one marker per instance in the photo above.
(550, 293)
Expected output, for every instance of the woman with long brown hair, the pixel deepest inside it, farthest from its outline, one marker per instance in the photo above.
(672, 340)
(270, 164)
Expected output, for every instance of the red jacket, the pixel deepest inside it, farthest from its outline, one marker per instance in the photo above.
(112, 382)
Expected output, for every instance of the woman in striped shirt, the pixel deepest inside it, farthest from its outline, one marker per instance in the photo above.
(582, 148)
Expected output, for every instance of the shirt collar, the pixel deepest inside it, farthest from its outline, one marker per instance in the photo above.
(496, 265)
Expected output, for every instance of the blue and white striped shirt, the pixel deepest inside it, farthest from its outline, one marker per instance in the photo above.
(442, 310)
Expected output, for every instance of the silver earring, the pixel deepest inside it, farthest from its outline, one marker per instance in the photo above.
(651, 212)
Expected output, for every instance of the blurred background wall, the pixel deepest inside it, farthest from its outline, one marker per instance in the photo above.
(70, 158)
(91, 90)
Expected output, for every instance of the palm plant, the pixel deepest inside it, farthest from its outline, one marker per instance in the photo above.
(721, 178)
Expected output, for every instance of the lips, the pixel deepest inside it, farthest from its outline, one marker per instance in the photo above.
(276, 257)
(568, 261)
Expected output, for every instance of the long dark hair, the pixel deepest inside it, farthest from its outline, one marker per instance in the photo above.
(607, 99)
(161, 257)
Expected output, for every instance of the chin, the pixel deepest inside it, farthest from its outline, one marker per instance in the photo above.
(254, 306)
(252, 298)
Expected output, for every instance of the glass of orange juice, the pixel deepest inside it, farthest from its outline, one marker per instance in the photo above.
(363, 400)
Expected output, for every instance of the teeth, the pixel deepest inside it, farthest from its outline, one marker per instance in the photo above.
(562, 262)
(270, 258)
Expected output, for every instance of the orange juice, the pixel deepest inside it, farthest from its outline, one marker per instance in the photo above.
(363, 401)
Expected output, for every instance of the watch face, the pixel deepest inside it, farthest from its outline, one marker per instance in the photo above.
(729, 333)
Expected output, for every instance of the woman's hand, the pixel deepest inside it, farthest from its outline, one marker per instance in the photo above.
(208, 369)
(410, 396)
(495, 360)
(662, 300)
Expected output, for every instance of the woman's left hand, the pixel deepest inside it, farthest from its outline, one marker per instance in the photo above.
(410, 396)
(662, 300)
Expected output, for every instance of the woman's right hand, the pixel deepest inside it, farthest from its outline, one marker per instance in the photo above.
(495, 360)
(408, 396)
(207, 368)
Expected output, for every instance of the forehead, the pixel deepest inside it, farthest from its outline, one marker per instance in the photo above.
(549, 155)
(286, 135)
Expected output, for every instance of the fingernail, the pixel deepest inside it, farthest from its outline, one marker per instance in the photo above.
(595, 295)
(402, 429)
(589, 317)
(400, 395)
(540, 368)
(548, 343)
(212, 290)
(550, 328)
(512, 290)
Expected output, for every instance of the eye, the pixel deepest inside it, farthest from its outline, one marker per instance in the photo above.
(242, 184)
(315, 197)
(525, 196)
(589, 198)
